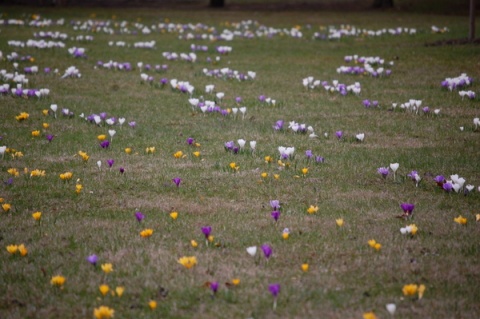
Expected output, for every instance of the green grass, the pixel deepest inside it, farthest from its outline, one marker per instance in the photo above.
(346, 278)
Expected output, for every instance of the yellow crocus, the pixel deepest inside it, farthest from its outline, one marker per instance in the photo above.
(119, 290)
(312, 209)
(268, 159)
(174, 215)
(460, 220)
(305, 267)
(103, 312)
(264, 175)
(37, 216)
(101, 137)
(103, 289)
(285, 235)
(146, 232)
(276, 176)
(413, 229)
(78, 188)
(178, 154)
(369, 315)
(22, 250)
(410, 290)
(45, 125)
(128, 150)
(12, 249)
(36, 133)
(45, 112)
(372, 243)
(13, 171)
(196, 154)
(58, 281)
(339, 222)
(152, 304)
(37, 173)
(107, 268)
(421, 291)
(194, 243)
(188, 262)
(304, 171)
(236, 281)
(6, 207)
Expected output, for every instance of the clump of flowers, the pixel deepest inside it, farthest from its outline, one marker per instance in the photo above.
(188, 262)
(460, 220)
(146, 232)
(374, 244)
(459, 82)
(58, 281)
(410, 290)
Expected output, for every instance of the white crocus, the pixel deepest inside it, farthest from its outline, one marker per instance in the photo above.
(394, 167)
(253, 145)
(99, 164)
(241, 142)
(360, 137)
(54, 108)
(97, 119)
(110, 121)
(121, 120)
(111, 133)
(204, 108)
(252, 251)
(391, 308)
(243, 110)
(2, 150)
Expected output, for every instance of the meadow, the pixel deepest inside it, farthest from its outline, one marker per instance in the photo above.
(241, 165)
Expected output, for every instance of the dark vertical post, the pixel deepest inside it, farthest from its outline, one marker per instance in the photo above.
(471, 34)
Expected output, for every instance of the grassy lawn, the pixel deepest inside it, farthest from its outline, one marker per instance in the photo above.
(346, 277)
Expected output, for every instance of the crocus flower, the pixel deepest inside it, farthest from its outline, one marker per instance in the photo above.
(110, 162)
(121, 170)
(278, 125)
(206, 231)
(190, 141)
(139, 216)
(440, 180)
(383, 171)
(267, 250)
(275, 214)
(339, 134)
(252, 250)
(177, 181)
(214, 286)
(447, 187)
(275, 204)
(105, 144)
(49, 137)
(407, 209)
(319, 159)
(274, 290)
(309, 154)
(92, 259)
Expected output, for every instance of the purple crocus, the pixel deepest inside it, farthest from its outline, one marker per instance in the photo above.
(110, 162)
(267, 250)
(339, 134)
(229, 145)
(278, 125)
(275, 214)
(105, 144)
(319, 159)
(139, 216)
(407, 209)
(383, 171)
(366, 103)
(121, 170)
(447, 187)
(309, 154)
(274, 289)
(238, 99)
(214, 287)
(190, 140)
(92, 259)
(132, 124)
(413, 175)
(206, 231)
(177, 181)
(275, 203)
(49, 137)
(261, 98)
(440, 180)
